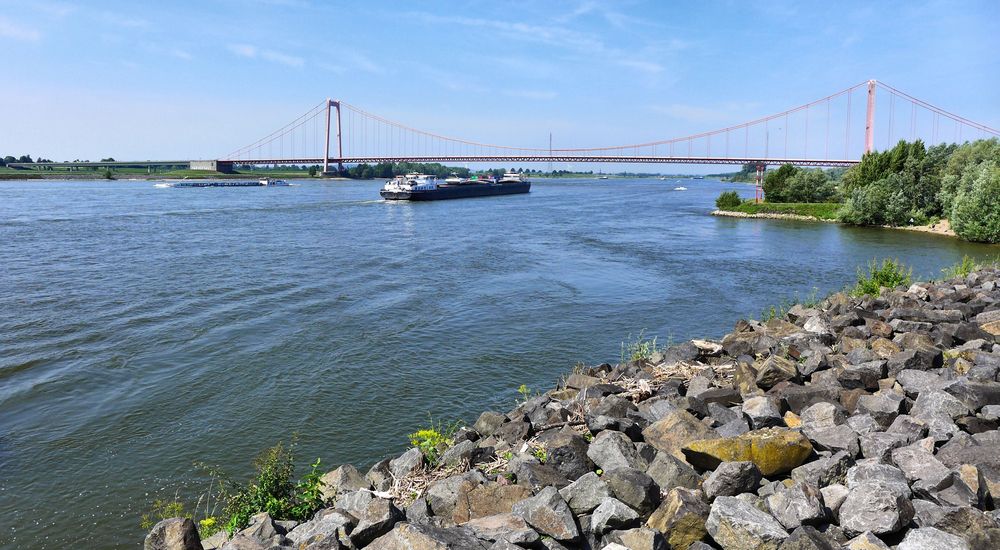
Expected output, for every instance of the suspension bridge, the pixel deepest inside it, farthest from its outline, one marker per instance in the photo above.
(835, 130)
(832, 131)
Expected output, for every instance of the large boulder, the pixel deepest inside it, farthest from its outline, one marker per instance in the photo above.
(585, 494)
(681, 517)
(634, 488)
(173, 534)
(409, 536)
(549, 514)
(674, 431)
(873, 507)
(735, 524)
(731, 479)
(476, 501)
(341, 480)
(773, 450)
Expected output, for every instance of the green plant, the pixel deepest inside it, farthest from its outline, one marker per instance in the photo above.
(540, 453)
(525, 392)
(890, 274)
(975, 212)
(162, 509)
(434, 440)
(109, 175)
(728, 200)
(640, 349)
(960, 269)
(309, 493)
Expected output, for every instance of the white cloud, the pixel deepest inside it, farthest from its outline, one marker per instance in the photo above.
(16, 31)
(243, 50)
(181, 54)
(57, 9)
(284, 59)
(253, 52)
(648, 67)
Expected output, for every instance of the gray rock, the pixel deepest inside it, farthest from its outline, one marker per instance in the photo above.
(585, 494)
(536, 475)
(377, 519)
(926, 538)
(763, 412)
(343, 479)
(413, 536)
(443, 494)
(915, 382)
(733, 428)
(508, 527)
(864, 375)
(173, 534)
(354, 502)
(489, 422)
(669, 471)
(833, 439)
(883, 406)
(932, 403)
(874, 507)
(409, 462)
(863, 423)
(568, 453)
(459, 452)
(950, 491)
(822, 415)
(833, 496)
(613, 514)
(918, 358)
(611, 449)
(773, 370)
(735, 524)
(866, 541)
(808, 537)
(926, 513)
(639, 538)
(634, 488)
(548, 514)
(879, 445)
(871, 472)
(731, 479)
(910, 426)
(918, 464)
(325, 524)
(800, 504)
(824, 471)
(379, 476)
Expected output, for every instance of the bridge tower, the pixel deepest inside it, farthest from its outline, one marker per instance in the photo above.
(870, 118)
(759, 192)
(340, 147)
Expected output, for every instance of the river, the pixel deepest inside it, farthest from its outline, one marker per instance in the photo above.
(144, 329)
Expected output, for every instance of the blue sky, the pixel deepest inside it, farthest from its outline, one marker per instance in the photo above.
(142, 80)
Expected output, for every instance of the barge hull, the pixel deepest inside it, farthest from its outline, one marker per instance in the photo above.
(445, 192)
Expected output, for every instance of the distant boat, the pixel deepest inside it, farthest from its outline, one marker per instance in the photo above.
(681, 188)
(663, 178)
(699, 177)
(273, 182)
(602, 177)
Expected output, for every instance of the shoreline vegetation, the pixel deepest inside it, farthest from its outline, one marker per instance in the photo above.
(864, 419)
(945, 189)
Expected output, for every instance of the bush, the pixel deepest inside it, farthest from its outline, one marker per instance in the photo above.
(961, 269)
(975, 213)
(881, 203)
(889, 274)
(640, 349)
(728, 200)
(434, 440)
(807, 186)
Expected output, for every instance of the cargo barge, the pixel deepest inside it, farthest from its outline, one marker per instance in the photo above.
(421, 187)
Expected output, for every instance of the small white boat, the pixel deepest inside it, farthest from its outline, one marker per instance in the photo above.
(680, 188)
(663, 178)
(602, 177)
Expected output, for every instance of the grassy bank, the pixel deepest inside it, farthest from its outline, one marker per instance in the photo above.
(820, 210)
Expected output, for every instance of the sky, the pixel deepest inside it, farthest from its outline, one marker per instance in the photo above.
(197, 79)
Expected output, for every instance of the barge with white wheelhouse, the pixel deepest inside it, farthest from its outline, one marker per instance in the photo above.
(421, 187)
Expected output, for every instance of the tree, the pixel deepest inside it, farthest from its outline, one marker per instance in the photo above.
(975, 214)
(728, 200)
(25, 158)
(774, 183)
(809, 186)
(312, 171)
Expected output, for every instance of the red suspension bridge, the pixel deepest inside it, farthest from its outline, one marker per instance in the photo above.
(832, 131)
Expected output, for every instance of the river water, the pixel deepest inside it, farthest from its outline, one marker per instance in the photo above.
(143, 329)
